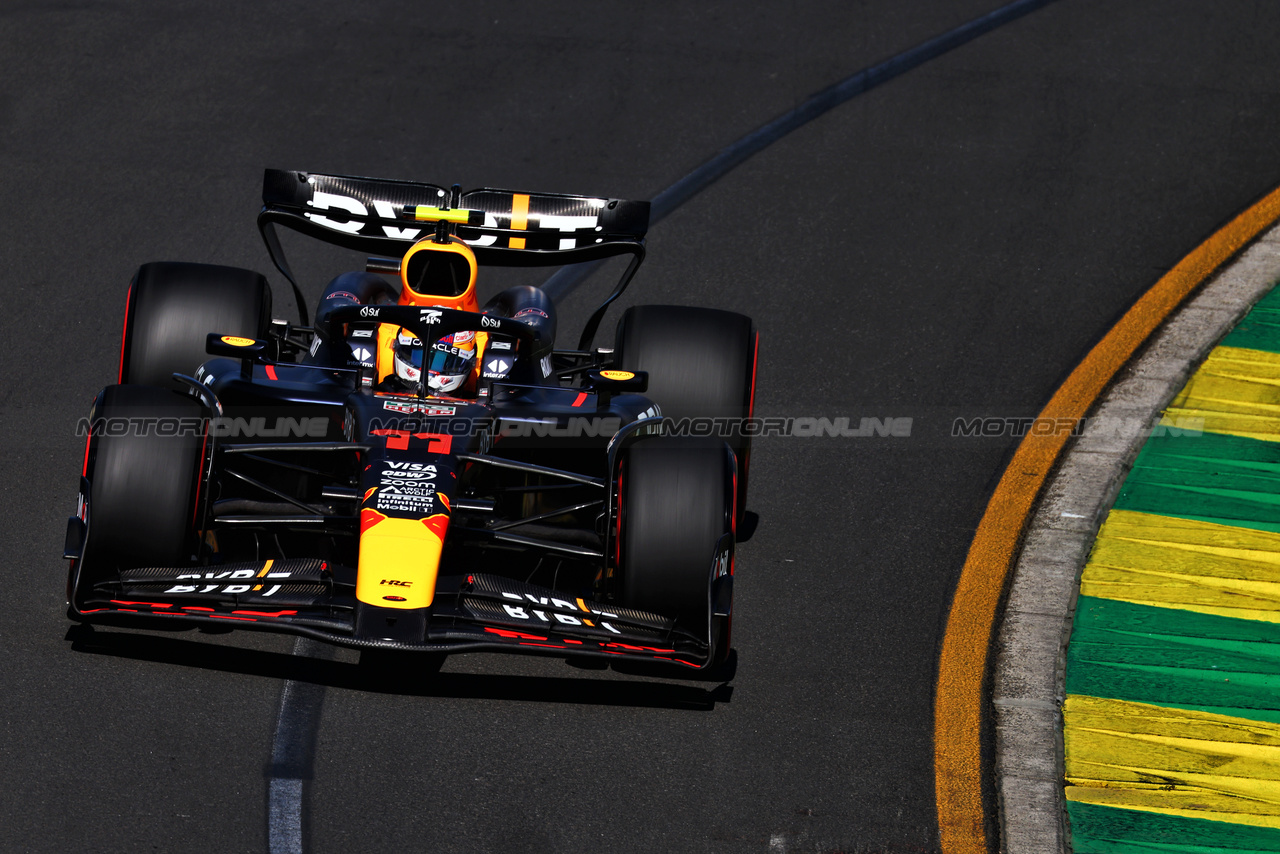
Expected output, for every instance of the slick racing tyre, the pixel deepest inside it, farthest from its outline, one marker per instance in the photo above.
(144, 469)
(171, 309)
(675, 505)
(701, 364)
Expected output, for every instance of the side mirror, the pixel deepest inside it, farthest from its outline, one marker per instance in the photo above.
(247, 350)
(610, 381)
(235, 347)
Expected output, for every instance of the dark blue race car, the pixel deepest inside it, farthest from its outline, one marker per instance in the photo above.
(414, 472)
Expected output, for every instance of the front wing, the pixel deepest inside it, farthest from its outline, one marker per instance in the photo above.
(314, 598)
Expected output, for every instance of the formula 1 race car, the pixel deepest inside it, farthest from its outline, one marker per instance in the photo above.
(412, 472)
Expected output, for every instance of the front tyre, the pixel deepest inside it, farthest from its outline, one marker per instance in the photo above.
(145, 470)
(675, 510)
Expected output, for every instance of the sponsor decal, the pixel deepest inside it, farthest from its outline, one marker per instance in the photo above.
(239, 575)
(344, 295)
(370, 311)
(323, 201)
(394, 598)
(407, 487)
(385, 210)
(528, 311)
(393, 582)
(499, 345)
(497, 367)
(363, 354)
(490, 322)
(397, 500)
(441, 347)
(464, 337)
(570, 223)
(617, 375)
(237, 341)
(526, 611)
(409, 407)
(427, 470)
(429, 315)
(722, 564)
(331, 201)
(362, 333)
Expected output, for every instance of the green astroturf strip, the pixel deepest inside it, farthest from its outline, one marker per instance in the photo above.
(1171, 657)
(1260, 329)
(1094, 615)
(1220, 446)
(1226, 479)
(1137, 648)
(1109, 830)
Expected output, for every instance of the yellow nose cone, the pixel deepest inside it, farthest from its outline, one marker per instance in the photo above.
(399, 561)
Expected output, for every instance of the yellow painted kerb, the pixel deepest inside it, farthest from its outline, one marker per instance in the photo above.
(1182, 762)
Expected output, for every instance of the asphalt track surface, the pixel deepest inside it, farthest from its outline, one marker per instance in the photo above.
(949, 244)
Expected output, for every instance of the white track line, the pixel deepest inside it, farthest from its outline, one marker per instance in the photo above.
(291, 748)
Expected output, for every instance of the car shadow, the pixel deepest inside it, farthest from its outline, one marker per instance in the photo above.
(577, 690)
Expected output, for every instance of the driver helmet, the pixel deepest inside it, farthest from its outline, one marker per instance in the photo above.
(447, 362)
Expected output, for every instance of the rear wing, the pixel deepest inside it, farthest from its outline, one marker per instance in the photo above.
(502, 227)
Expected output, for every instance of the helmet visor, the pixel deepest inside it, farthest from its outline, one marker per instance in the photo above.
(449, 364)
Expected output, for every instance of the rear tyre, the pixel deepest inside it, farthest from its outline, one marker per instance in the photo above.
(144, 471)
(701, 364)
(173, 307)
(675, 505)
